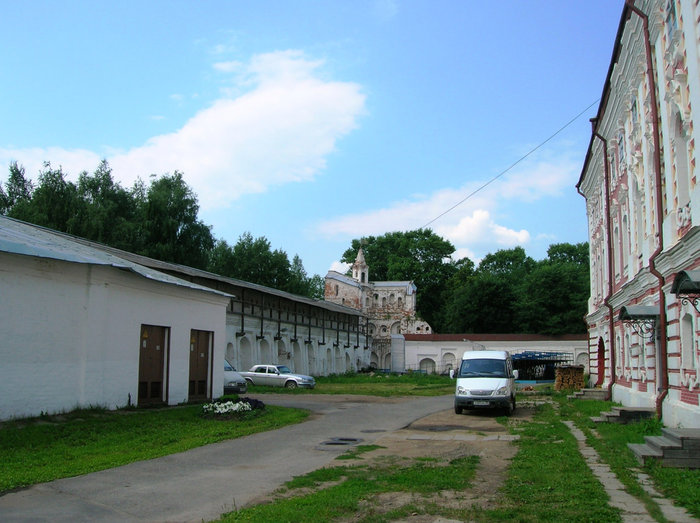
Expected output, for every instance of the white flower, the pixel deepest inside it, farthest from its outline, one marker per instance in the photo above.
(226, 407)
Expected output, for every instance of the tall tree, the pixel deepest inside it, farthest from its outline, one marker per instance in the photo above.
(106, 212)
(53, 203)
(18, 191)
(170, 227)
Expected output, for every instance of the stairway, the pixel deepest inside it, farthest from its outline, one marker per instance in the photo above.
(625, 415)
(590, 394)
(674, 448)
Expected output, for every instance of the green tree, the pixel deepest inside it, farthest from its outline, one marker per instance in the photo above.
(253, 260)
(53, 203)
(170, 229)
(554, 296)
(18, 191)
(420, 256)
(106, 212)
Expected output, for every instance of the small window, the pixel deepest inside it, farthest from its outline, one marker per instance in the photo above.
(336, 290)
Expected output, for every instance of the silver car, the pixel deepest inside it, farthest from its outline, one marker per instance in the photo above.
(277, 376)
(234, 383)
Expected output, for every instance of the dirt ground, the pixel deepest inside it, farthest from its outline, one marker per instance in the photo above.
(446, 436)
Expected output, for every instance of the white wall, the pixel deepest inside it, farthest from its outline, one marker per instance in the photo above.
(70, 334)
(438, 349)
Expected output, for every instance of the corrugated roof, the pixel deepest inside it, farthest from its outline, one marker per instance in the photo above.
(22, 238)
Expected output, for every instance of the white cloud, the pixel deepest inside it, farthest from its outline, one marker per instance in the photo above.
(476, 225)
(280, 131)
(340, 267)
(71, 161)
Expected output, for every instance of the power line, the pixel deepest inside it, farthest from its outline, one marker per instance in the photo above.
(567, 124)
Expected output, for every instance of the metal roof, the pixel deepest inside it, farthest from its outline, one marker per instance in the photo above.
(639, 312)
(686, 282)
(46, 243)
(17, 237)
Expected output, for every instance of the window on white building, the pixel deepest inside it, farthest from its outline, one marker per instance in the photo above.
(687, 343)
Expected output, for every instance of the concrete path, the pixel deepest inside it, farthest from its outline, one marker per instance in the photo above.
(633, 510)
(203, 483)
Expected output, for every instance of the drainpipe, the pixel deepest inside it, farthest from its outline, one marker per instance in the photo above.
(661, 363)
(611, 270)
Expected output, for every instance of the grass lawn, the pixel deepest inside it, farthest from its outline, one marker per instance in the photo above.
(51, 447)
(377, 384)
(548, 479)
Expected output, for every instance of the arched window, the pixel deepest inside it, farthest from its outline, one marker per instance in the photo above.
(687, 343)
(680, 148)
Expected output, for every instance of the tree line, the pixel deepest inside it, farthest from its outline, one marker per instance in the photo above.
(159, 220)
(508, 292)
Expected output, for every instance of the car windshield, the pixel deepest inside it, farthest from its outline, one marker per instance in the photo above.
(483, 368)
(284, 369)
(228, 366)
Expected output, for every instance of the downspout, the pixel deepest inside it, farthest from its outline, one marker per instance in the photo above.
(663, 348)
(611, 270)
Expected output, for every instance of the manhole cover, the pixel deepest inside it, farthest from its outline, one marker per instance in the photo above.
(438, 428)
(372, 431)
(335, 442)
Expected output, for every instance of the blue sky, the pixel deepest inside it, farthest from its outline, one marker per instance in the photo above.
(315, 122)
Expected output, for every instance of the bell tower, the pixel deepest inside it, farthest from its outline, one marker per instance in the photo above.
(360, 269)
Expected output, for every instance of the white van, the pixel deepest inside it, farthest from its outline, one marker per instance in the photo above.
(485, 380)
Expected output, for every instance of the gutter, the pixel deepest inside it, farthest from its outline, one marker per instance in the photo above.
(662, 364)
(611, 275)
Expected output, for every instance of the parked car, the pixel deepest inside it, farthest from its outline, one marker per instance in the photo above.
(277, 376)
(234, 383)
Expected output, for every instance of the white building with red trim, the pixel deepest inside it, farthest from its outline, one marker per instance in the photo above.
(640, 183)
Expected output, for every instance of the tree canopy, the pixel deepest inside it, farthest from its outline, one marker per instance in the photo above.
(508, 292)
(159, 220)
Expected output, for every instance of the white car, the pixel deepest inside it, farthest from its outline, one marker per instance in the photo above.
(234, 383)
(277, 376)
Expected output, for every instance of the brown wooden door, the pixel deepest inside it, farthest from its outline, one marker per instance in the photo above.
(151, 364)
(200, 343)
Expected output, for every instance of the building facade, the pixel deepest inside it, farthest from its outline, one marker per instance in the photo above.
(640, 184)
(389, 306)
(84, 324)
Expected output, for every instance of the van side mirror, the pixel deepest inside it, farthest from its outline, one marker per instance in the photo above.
(515, 374)
(452, 373)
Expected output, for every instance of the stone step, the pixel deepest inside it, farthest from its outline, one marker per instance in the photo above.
(625, 414)
(590, 394)
(687, 438)
(644, 452)
(675, 448)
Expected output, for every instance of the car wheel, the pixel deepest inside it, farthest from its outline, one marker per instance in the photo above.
(511, 407)
(458, 410)
(291, 384)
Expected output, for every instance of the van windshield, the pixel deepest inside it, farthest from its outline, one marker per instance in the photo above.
(483, 368)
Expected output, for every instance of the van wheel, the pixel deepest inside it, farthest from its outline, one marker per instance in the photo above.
(511, 407)
(458, 410)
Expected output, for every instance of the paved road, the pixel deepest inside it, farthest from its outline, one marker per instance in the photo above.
(203, 483)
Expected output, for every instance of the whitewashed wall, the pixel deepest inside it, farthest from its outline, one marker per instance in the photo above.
(70, 334)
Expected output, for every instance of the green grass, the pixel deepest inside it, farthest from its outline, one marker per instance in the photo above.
(680, 485)
(342, 492)
(51, 447)
(548, 479)
(384, 385)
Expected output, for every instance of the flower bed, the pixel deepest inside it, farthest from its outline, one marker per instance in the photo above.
(232, 408)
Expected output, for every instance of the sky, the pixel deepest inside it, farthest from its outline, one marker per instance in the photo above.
(314, 122)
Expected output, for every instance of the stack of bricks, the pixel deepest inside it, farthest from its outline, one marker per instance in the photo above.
(569, 377)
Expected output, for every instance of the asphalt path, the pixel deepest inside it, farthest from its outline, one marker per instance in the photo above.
(203, 483)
